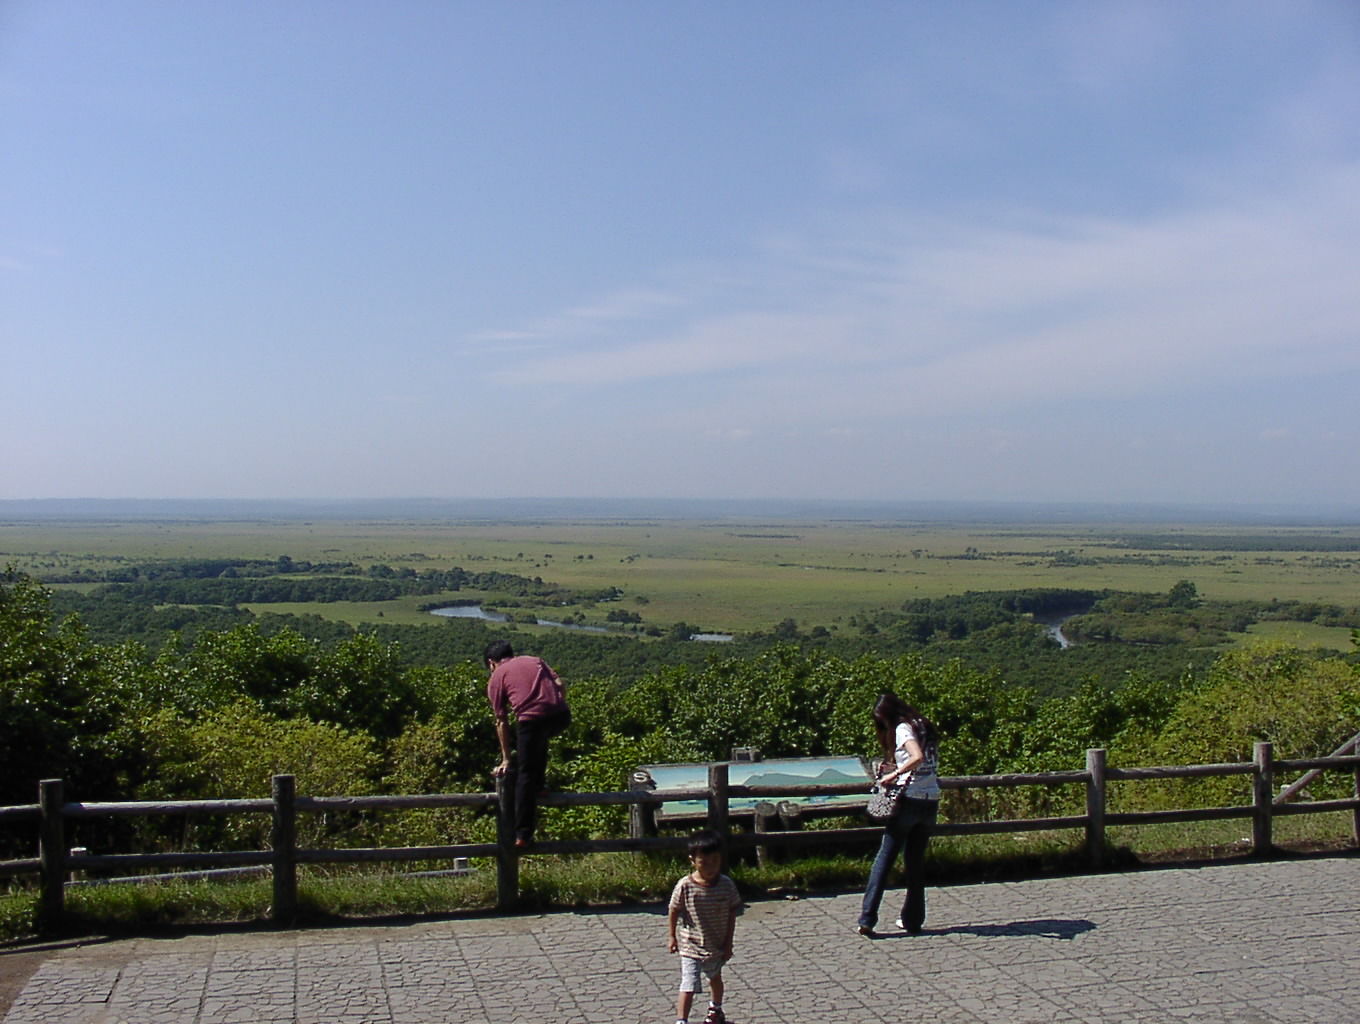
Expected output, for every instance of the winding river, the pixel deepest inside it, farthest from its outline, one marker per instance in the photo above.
(476, 611)
(1054, 627)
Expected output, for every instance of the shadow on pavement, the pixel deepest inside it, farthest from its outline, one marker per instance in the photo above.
(1043, 928)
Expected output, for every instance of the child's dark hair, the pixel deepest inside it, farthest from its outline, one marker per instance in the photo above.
(706, 841)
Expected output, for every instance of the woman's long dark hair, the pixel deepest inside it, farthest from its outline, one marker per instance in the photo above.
(889, 711)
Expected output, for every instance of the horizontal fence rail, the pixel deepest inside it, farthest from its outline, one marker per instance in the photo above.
(55, 862)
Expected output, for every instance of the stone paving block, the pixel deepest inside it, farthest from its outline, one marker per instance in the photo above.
(427, 1006)
(1001, 1003)
(1311, 1009)
(84, 984)
(1110, 1001)
(417, 952)
(354, 999)
(255, 959)
(243, 1013)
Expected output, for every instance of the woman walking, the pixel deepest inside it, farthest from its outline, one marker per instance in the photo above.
(910, 746)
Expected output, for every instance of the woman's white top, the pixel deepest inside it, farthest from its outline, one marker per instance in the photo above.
(925, 782)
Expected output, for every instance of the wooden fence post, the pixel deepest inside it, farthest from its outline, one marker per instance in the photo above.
(641, 817)
(766, 820)
(507, 859)
(1263, 793)
(283, 839)
(51, 853)
(1355, 815)
(1095, 807)
(718, 814)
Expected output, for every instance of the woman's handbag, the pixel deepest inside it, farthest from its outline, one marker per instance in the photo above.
(883, 798)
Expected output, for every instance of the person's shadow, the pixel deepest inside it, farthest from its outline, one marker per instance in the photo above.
(1043, 928)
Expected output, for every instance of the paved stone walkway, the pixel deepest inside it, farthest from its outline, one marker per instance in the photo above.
(1252, 943)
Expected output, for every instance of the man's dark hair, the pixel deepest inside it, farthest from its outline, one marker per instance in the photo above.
(706, 841)
(498, 650)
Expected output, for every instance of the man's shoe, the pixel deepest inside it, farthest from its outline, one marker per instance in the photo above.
(865, 930)
(715, 1016)
(523, 844)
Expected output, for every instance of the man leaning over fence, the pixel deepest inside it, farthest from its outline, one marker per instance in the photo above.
(529, 688)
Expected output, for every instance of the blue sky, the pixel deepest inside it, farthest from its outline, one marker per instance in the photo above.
(912, 250)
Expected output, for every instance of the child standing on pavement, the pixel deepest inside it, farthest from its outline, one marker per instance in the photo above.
(702, 919)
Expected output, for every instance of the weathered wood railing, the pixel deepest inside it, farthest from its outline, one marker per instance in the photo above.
(54, 861)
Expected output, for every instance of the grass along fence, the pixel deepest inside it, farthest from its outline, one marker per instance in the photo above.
(55, 862)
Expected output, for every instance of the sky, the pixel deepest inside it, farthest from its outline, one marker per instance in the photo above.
(910, 250)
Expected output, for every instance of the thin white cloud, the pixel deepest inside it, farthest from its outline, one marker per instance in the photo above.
(975, 318)
(28, 258)
(587, 320)
(625, 305)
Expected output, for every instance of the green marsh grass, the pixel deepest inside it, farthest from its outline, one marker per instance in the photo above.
(732, 575)
(1304, 635)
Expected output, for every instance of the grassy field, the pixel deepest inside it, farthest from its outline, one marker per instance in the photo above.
(738, 575)
(1299, 634)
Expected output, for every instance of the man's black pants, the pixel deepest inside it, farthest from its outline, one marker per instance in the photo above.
(531, 766)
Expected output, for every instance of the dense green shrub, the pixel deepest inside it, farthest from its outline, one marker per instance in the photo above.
(217, 712)
(1303, 704)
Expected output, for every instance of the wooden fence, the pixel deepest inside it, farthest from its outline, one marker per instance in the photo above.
(54, 861)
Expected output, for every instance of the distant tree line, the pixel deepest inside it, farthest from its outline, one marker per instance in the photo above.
(197, 569)
(1181, 617)
(1237, 542)
(192, 585)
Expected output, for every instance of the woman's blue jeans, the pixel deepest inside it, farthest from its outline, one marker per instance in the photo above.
(908, 831)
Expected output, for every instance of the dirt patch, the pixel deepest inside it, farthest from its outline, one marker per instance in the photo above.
(16, 967)
(19, 961)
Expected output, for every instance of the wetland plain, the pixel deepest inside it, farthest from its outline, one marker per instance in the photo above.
(730, 571)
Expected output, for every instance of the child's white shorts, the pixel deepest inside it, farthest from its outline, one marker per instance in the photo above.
(691, 967)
